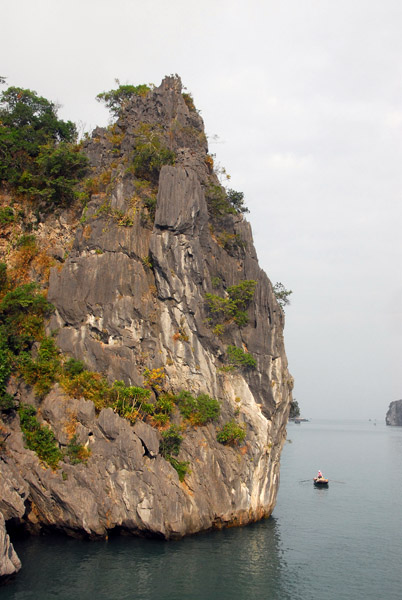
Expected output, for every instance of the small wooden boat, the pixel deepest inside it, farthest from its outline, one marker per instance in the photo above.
(321, 481)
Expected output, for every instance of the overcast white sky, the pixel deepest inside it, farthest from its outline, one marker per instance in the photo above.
(306, 98)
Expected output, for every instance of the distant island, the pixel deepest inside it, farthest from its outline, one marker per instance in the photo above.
(294, 412)
(394, 414)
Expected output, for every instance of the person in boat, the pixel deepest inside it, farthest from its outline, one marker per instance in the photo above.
(319, 476)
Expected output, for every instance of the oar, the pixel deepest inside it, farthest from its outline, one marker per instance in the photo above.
(329, 480)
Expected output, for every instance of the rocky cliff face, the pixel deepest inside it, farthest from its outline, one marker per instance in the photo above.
(9, 561)
(138, 297)
(394, 414)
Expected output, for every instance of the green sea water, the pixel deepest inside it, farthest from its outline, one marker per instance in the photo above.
(344, 542)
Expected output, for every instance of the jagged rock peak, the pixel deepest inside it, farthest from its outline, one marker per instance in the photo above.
(162, 105)
(163, 116)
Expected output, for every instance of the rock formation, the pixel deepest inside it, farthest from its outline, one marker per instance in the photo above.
(131, 301)
(9, 561)
(13, 492)
(394, 413)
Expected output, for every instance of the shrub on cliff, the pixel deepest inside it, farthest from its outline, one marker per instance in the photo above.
(171, 441)
(6, 401)
(282, 294)
(222, 201)
(150, 153)
(3, 276)
(128, 400)
(39, 438)
(22, 311)
(43, 371)
(89, 385)
(116, 99)
(234, 306)
(77, 453)
(238, 358)
(231, 433)
(200, 410)
(170, 447)
(73, 367)
(236, 200)
(39, 157)
(7, 215)
(54, 174)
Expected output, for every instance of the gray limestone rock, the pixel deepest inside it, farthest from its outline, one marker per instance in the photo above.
(181, 205)
(13, 489)
(149, 437)
(394, 414)
(131, 296)
(9, 561)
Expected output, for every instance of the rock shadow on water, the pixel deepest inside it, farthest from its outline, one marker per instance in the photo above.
(228, 564)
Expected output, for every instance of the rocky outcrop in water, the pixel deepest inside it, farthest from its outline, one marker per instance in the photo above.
(9, 561)
(13, 492)
(394, 414)
(131, 299)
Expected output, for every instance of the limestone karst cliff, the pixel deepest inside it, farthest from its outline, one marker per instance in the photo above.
(157, 286)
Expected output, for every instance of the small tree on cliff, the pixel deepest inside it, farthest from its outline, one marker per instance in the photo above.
(282, 294)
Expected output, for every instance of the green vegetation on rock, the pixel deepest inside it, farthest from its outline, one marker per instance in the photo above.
(22, 311)
(182, 467)
(117, 99)
(238, 358)
(6, 401)
(231, 433)
(189, 100)
(39, 438)
(236, 200)
(233, 307)
(39, 156)
(170, 447)
(77, 453)
(6, 215)
(171, 441)
(150, 153)
(42, 371)
(200, 410)
(222, 202)
(282, 294)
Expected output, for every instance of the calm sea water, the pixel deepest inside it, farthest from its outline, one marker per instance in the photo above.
(339, 543)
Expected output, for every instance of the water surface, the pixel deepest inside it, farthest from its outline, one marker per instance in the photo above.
(339, 543)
